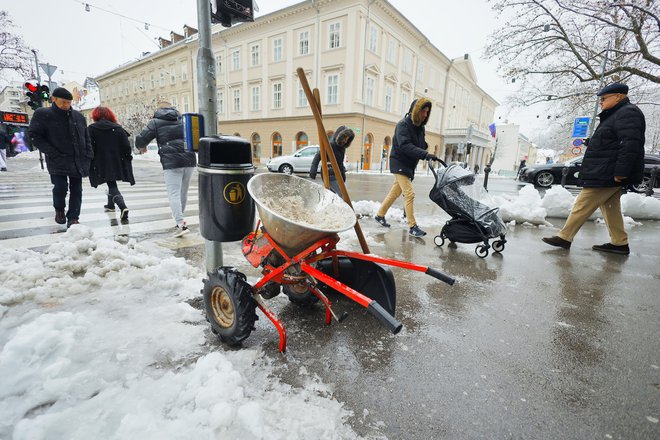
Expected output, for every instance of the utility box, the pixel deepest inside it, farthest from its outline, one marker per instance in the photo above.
(226, 209)
(193, 130)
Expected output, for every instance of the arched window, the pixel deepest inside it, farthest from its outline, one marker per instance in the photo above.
(256, 147)
(301, 140)
(276, 144)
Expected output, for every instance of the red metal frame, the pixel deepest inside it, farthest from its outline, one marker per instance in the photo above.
(309, 256)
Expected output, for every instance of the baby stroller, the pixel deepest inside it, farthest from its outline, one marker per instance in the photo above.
(471, 221)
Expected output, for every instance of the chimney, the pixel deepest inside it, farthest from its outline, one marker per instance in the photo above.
(176, 37)
(466, 56)
(189, 31)
(163, 42)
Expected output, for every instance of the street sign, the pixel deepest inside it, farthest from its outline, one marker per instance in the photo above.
(576, 151)
(581, 127)
(578, 142)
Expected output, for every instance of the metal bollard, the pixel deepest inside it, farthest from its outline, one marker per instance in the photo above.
(564, 173)
(486, 173)
(649, 189)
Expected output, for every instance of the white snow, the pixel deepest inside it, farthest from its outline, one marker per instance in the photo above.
(99, 342)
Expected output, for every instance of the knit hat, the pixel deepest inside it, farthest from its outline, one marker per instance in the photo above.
(63, 93)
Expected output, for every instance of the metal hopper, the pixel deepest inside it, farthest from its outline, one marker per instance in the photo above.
(297, 212)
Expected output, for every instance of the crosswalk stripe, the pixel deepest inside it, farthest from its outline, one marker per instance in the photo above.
(44, 240)
(26, 213)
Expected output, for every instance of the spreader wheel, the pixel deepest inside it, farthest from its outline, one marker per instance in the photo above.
(230, 307)
(439, 240)
(300, 294)
(481, 251)
(498, 246)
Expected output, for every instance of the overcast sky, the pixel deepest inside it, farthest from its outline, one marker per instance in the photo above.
(84, 43)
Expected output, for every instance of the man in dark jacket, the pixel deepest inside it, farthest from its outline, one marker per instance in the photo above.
(178, 163)
(408, 147)
(341, 140)
(614, 158)
(61, 134)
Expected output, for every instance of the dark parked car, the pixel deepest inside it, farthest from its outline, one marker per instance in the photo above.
(547, 175)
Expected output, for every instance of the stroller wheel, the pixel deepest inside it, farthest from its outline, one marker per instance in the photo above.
(498, 246)
(439, 240)
(481, 251)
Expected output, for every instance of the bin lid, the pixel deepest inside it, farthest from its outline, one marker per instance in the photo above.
(224, 151)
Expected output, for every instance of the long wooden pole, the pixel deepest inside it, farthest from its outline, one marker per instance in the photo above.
(323, 140)
(322, 146)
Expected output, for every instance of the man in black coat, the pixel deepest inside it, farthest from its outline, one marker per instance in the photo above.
(61, 134)
(178, 163)
(341, 140)
(614, 158)
(408, 147)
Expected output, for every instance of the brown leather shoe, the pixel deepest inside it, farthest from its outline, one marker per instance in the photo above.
(624, 249)
(73, 221)
(557, 241)
(60, 218)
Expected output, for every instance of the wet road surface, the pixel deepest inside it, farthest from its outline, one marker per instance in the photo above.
(536, 342)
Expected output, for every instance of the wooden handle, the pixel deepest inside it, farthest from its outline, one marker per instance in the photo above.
(323, 141)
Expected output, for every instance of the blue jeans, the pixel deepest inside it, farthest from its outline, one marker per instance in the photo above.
(74, 184)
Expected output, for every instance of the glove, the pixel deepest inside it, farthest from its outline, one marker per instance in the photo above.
(430, 156)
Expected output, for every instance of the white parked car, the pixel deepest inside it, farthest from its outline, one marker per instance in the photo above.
(298, 162)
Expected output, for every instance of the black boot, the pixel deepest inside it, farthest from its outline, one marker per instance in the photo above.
(110, 207)
(119, 200)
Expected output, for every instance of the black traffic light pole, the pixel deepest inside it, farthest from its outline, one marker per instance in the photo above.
(36, 62)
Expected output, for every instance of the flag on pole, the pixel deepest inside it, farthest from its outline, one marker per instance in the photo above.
(493, 130)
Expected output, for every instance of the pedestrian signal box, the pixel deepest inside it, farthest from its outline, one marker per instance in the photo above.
(193, 130)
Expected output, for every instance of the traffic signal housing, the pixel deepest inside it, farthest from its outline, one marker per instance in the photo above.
(34, 94)
(44, 92)
(230, 12)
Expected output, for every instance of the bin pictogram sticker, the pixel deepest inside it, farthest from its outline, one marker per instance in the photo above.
(234, 193)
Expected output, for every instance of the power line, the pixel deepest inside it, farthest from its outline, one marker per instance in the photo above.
(88, 6)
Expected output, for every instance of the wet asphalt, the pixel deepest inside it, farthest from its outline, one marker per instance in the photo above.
(535, 342)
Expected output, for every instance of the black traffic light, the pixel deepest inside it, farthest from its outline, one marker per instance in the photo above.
(33, 94)
(44, 92)
(229, 12)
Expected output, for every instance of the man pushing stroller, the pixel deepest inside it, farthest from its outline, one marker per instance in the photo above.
(408, 147)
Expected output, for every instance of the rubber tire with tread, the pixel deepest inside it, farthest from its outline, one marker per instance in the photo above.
(551, 179)
(285, 168)
(302, 299)
(231, 285)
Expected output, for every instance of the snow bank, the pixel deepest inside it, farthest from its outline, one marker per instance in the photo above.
(100, 333)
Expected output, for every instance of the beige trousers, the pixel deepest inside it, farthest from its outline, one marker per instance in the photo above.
(589, 199)
(402, 184)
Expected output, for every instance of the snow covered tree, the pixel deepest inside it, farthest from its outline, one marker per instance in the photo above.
(555, 49)
(135, 117)
(14, 54)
